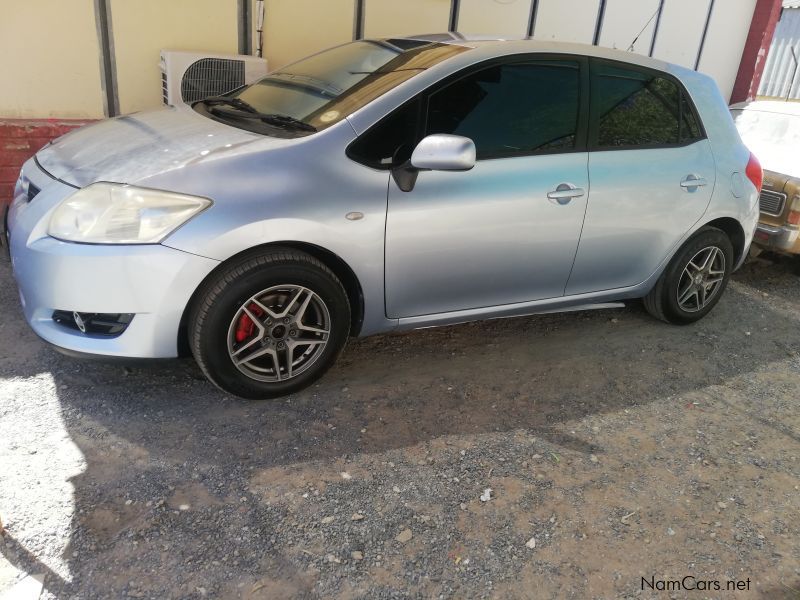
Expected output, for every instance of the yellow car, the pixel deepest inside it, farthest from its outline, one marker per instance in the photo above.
(771, 130)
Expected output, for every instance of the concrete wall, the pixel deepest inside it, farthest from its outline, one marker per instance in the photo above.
(143, 27)
(55, 64)
(679, 37)
(324, 24)
(391, 18)
(502, 18)
(725, 41)
(624, 21)
(567, 20)
(49, 59)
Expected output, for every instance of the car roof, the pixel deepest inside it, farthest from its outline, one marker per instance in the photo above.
(513, 45)
(770, 106)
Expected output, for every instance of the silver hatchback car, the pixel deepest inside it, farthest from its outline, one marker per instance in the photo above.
(383, 185)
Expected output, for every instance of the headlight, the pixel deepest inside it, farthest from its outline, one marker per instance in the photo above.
(21, 187)
(107, 213)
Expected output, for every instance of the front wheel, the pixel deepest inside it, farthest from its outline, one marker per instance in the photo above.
(693, 282)
(269, 324)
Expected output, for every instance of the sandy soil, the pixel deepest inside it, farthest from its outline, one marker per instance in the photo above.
(616, 447)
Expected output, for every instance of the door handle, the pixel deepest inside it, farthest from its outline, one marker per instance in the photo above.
(564, 193)
(693, 181)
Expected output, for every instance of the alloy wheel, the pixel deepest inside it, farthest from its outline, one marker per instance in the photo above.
(701, 279)
(279, 333)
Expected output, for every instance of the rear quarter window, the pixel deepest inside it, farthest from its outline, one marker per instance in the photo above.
(633, 108)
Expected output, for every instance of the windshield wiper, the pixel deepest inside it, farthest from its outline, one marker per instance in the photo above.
(225, 100)
(286, 121)
(282, 121)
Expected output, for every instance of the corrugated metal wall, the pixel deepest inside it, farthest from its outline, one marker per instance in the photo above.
(781, 79)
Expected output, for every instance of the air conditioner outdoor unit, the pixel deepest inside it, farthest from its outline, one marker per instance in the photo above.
(187, 77)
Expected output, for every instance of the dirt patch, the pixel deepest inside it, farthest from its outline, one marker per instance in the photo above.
(618, 449)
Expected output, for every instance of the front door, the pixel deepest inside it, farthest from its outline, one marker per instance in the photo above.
(506, 231)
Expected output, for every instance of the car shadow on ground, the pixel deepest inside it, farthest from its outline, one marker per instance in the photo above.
(145, 430)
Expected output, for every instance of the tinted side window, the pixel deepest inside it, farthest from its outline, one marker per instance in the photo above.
(690, 130)
(390, 142)
(635, 108)
(513, 109)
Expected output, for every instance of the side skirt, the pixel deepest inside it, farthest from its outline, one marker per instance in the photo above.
(503, 312)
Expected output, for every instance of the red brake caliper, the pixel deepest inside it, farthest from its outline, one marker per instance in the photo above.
(245, 326)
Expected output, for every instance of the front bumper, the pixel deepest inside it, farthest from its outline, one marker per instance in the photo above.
(783, 237)
(153, 282)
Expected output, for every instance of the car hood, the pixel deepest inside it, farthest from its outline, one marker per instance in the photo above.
(134, 147)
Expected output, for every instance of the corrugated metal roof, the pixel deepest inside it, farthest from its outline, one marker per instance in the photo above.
(781, 78)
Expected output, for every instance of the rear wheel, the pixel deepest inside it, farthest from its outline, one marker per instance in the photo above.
(694, 281)
(269, 324)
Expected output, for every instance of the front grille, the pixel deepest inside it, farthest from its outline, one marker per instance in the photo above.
(33, 191)
(107, 324)
(772, 203)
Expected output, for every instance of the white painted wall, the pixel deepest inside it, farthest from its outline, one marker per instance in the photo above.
(331, 25)
(392, 17)
(489, 16)
(680, 31)
(65, 56)
(49, 60)
(725, 41)
(566, 20)
(142, 28)
(624, 20)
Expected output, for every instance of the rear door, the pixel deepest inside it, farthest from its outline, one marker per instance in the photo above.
(651, 171)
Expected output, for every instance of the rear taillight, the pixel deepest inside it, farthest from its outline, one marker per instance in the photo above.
(794, 211)
(754, 172)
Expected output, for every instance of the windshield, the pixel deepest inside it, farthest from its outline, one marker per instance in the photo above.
(321, 90)
(773, 137)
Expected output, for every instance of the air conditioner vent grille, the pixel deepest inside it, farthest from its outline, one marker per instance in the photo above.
(164, 88)
(211, 77)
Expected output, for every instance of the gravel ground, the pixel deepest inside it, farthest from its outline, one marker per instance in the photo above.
(616, 448)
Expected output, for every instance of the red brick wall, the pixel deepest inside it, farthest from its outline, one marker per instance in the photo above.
(21, 139)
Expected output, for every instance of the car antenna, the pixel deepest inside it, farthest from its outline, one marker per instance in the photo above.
(636, 39)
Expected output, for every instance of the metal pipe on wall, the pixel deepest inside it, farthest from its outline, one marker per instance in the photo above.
(532, 18)
(358, 19)
(705, 33)
(655, 27)
(598, 28)
(455, 6)
(245, 27)
(108, 69)
(260, 28)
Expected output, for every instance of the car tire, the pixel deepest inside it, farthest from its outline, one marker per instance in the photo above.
(247, 317)
(694, 280)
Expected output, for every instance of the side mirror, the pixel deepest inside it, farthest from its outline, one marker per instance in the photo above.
(443, 152)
